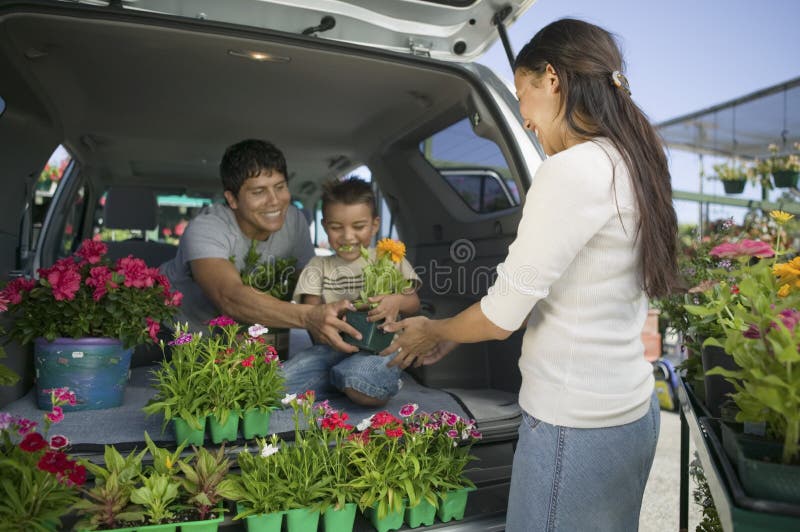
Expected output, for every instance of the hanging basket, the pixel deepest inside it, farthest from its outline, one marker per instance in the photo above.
(785, 178)
(734, 186)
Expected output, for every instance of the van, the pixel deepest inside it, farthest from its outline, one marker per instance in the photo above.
(137, 101)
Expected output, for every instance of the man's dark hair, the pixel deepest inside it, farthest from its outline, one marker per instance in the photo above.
(247, 159)
(350, 191)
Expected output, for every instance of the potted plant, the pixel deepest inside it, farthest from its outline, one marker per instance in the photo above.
(261, 382)
(85, 315)
(451, 449)
(381, 276)
(734, 176)
(276, 277)
(182, 385)
(253, 489)
(202, 481)
(107, 504)
(384, 471)
(339, 507)
(40, 481)
(783, 168)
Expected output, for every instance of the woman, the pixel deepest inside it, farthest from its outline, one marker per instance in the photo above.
(596, 238)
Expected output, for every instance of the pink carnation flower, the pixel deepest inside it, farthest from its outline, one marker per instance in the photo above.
(221, 321)
(14, 289)
(58, 441)
(57, 415)
(743, 248)
(408, 409)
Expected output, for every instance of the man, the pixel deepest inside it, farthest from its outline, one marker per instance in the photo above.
(258, 208)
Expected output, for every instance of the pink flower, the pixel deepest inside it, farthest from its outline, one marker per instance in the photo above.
(743, 248)
(58, 441)
(62, 395)
(790, 318)
(450, 418)
(136, 272)
(14, 289)
(6, 420)
(271, 351)
(185, 338)
(269, 359)
(32, 442)
(453, 433)
(475, 434)
(752, 332)
(174, 299)
(152, 328)
(408, 409)
(100, 278)
(57, 415)
(24, 426)
(64, 279)
(221, 321)
(92, 251)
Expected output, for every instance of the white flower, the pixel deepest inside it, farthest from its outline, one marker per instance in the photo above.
(365, 424)
(269, 450)
(257, 330)
(288, 398)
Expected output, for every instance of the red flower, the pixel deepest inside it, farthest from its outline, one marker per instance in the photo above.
(221, 321)
(359, 436)
(100, 278)
(152, 328)
(92, 251)
(32, 442)
(3, 302)
(734, 289)
(248, 362)
(382, 418)
(394, 433)
(166, 231)
(136, 272)
(77, 476)
(13, 290)
(64, 279)
(53, 462)
(58, 441)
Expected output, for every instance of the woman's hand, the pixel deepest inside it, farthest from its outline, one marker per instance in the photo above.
(414, 340)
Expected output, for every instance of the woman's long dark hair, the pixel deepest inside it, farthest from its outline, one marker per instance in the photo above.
(584, 57)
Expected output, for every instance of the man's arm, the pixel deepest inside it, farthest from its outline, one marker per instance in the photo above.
(221, 282)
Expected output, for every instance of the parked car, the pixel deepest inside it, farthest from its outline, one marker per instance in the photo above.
(142, 97)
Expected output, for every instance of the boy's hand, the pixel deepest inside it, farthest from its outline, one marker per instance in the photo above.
(388, 308)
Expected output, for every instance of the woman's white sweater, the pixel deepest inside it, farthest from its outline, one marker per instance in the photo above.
(574, 273)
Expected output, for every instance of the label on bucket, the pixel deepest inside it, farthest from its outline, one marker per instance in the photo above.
(77, 354)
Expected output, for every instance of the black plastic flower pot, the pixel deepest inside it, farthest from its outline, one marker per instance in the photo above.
(785, 178)
(734, 186)
(373, 339)
(718, 389)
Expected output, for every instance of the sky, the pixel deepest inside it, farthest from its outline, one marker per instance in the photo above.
(682, 56)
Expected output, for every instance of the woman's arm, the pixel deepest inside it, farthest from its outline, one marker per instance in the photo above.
(420, 336)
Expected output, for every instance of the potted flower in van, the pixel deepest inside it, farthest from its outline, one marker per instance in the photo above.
(84, 315)
(276, 277)
(381, 276)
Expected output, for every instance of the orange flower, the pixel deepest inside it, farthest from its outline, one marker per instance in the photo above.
(395, 248)
(787, 272)
(784, 290)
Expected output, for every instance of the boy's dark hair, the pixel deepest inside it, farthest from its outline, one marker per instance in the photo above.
(350, 191)
(247, 159)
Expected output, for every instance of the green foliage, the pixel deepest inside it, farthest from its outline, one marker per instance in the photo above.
(255, 487)
(274, 276)
(158, 496)
(7, 376)
(733, 171)
(381, 276)
(702, 497)
(108, 504)
(202, 480)
(76, 298)
(788, 161)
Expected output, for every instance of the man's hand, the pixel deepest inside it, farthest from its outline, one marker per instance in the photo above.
(324, 322)
(436, 354)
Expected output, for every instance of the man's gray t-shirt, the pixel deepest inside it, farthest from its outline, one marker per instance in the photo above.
(214, 233)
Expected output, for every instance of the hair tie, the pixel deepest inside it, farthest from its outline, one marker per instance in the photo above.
(619, 80)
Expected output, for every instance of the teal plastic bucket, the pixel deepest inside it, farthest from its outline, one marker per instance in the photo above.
(96, 369)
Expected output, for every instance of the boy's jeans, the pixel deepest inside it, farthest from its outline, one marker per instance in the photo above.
(326, 371)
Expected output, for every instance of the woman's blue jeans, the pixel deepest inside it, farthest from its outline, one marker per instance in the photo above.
(567, 479)
(328, 372)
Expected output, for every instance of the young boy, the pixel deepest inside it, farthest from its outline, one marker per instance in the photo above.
(350, 220)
